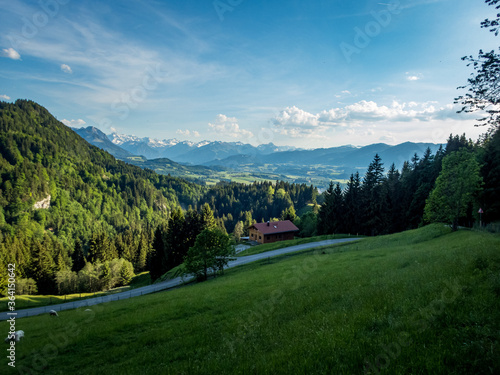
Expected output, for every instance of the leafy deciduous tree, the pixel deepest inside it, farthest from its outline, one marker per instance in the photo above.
(456, 187)
(484, 85)
(212, 250)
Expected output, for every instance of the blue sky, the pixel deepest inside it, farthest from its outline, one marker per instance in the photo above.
(303, 73)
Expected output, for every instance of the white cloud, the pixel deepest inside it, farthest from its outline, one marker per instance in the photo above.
(188, 133)
(66, 69)
(413, 77)
(295, 122)
(10, 53)
(73, 123)
(293, 116)
(228, 126)
(366, 111)
(4, 97)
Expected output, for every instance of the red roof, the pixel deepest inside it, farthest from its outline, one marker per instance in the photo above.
(275, 227)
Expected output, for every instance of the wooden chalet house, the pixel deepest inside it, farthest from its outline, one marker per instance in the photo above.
(272, 231)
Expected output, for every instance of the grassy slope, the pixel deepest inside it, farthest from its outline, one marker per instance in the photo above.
(429, 297)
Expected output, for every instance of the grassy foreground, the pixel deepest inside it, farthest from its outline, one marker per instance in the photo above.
(420, 302)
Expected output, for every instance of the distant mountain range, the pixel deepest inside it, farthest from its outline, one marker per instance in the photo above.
(350, 157)
(207, 158)
(189, 152)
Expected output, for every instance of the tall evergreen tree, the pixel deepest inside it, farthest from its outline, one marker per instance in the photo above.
(125, 274)
(372, 205)
(158, 265)
(490, 171)
(325, 216)
(207, 217)
(78, 257)
(352, 203)
(42, 268)
(338, 210)
(238, 231)
(142, 254)
(175, 240)
(392, 200)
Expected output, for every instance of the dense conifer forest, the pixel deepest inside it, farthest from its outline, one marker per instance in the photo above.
(387, 202)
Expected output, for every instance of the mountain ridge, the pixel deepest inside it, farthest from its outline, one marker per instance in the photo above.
(227, 154)
(217, 160)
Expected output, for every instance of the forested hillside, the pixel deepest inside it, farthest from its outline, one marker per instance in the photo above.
(57, 193)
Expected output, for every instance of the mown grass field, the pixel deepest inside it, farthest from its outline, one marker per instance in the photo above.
(420, 302)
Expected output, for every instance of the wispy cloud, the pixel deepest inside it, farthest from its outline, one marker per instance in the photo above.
(73, 123)
(10, 53)
(4, 97)
(66, 69)
(413, 77)
(111, 65)
(188, 133)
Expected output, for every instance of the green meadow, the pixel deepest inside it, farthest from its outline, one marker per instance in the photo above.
(420, 302)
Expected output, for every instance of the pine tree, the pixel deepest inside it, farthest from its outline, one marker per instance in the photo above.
(207, 217)
(371, 198)
(78, 257)
(238, 231)
(490, 171)
(325, 217)
(392, 199)
(42, 268)
(142, 253)
(338, 211)
(106, 276)
(158, 264)
(125, 274)
(352, 202)
(60, 264)
(99, 249)
(175, 240)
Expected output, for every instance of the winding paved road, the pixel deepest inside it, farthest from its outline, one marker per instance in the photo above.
(166, 284)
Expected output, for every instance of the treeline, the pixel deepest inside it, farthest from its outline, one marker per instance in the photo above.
(68, 208)
(382, 203)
